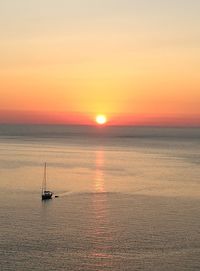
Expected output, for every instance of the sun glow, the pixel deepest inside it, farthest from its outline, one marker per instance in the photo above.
(101, 119)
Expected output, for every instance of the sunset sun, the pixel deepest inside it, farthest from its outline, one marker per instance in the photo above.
(101, 119)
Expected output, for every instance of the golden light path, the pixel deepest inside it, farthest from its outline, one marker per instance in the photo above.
(101, 119)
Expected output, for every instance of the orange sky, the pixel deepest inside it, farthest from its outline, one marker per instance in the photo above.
(67, 62)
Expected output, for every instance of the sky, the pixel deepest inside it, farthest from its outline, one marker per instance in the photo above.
(63, 61)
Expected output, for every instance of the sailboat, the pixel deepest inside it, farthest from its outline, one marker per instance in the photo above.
(45, 194)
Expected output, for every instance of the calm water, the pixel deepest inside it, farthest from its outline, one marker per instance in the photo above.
(129, 198)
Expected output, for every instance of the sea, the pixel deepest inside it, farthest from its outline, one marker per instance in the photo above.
(128, 198)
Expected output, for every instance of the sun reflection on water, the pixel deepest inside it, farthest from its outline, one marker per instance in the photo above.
(100, 231)
(99, 172)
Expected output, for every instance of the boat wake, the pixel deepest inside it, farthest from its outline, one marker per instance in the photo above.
(64, 194)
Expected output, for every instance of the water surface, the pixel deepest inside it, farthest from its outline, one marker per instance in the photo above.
(128, 198)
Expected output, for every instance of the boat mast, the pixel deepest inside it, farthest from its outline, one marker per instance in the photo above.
(45, 178)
